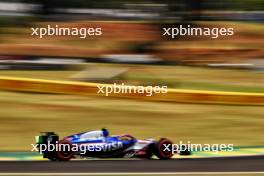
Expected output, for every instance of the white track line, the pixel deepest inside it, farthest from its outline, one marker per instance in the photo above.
(131, 173)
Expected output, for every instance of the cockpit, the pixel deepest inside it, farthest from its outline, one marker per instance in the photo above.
(92, 135)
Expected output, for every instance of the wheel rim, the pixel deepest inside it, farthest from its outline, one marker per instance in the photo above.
(161, 147)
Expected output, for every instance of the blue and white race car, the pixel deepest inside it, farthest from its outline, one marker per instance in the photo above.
(100, 144)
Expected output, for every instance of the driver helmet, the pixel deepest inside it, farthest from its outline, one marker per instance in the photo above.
(105, 132)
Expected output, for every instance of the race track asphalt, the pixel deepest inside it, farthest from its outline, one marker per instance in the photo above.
(228, 164)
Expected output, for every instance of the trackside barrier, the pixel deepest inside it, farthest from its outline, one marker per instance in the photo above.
(173, 95)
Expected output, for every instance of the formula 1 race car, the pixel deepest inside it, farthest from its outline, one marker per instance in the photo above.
(100, 145)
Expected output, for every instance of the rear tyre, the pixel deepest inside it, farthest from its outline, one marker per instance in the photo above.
(161, 149)
(65, 153)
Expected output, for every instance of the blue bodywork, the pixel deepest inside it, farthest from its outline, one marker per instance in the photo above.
(95, 142)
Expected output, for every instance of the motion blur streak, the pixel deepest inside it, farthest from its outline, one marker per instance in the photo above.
(215, 85)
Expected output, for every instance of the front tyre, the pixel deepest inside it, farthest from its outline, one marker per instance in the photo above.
(163, 149)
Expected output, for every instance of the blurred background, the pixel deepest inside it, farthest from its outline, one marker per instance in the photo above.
(132, 50)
